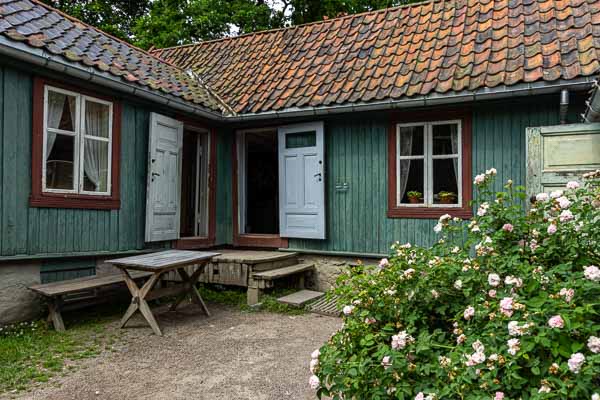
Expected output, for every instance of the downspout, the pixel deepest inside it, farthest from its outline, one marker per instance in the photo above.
(564, 105)
(592, 114)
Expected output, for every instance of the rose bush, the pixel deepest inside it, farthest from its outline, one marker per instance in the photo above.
(504, 306)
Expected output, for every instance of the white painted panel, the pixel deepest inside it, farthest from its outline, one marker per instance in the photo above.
(164, 178)
(302, 183)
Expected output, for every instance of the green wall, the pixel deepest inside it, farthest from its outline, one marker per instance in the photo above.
(356, 152)
(32, 231)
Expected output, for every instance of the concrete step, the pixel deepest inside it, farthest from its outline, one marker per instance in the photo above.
(298, 299)
(282, 272)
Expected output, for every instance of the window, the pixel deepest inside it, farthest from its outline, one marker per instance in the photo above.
(428, 165)
(75, 149)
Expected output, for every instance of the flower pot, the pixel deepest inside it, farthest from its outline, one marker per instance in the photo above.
(414, 200)
(447, 200)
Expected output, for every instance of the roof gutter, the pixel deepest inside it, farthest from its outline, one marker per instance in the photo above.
(44, 59)
(592, 114)
(518, 90)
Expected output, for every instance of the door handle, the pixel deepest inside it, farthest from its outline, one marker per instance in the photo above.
(319, 175)
(155, 174)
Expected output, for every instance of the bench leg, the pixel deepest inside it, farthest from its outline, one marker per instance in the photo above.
(55, 316)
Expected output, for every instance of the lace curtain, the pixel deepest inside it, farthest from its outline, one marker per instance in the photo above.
(454, 144)
(95, 157)
(406, 139)
(56, 107)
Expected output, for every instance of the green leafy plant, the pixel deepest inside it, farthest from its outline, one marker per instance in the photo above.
(447, 197)
(504, 306)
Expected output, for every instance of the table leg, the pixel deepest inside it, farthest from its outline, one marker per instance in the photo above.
(193, 291)
(138, 301)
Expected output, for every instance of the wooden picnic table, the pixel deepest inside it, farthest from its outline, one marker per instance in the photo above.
(159, 264)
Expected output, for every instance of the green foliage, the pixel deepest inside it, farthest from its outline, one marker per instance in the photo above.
(505, 306)
(414, 194)
(304, 11)
(116, 17)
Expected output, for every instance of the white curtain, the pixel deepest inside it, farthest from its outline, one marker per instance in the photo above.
(406, 139)
(56, 106)
(95, 154)
(454, 143)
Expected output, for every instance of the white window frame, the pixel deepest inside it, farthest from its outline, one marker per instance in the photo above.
(428, 158)
(80, 137)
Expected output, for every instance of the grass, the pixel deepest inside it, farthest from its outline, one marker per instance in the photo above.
(237, 297)
(32, 352)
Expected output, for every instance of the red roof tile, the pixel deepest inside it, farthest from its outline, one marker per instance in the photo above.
(413, 50)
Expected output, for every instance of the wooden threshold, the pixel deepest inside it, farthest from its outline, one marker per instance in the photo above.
(260, 240)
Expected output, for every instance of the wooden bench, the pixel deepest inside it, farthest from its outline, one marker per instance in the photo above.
(261, 280)
(77, 293)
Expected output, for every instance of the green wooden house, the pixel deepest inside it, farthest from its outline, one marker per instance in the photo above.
(332, 139)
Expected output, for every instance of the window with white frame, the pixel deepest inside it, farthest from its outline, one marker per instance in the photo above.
(77, 143)
(429, 164)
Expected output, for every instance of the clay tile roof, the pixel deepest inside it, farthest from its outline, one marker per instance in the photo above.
(414, 50)
(40, 26)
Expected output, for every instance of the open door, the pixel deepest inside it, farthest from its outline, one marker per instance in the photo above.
(301, 181)
(163, 200)
(559, 154)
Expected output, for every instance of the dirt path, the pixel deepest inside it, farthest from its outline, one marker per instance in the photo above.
(231, 355)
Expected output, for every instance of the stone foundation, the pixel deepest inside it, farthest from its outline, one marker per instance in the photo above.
(17, 303)
(328, 268)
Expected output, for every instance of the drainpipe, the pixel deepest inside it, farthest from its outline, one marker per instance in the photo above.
(564, 105)
(592, 114)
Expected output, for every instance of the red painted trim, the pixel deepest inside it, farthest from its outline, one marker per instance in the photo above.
(430, 212)
(251, 240)
(38, 198)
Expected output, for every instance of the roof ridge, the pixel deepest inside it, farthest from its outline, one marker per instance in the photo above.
(268, 31)
(77, 20)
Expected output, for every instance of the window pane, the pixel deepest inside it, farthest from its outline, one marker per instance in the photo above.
(411, 140)
(61, 111)
(59, 162)
(300, 139)
(411, 181)
(445, 139)
(96, 119)
(95, 165)
(445, 186)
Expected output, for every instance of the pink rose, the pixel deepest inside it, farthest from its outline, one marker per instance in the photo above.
(507, 227)
(556, 322)
(572, 185)
(551, 229)
(492, 293)
(499, 396)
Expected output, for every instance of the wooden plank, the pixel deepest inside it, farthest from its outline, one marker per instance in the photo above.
(79, 284)
(300, 298)
(163, 260)
(282, 272)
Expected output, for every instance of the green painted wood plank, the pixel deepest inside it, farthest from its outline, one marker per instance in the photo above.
(2, 133)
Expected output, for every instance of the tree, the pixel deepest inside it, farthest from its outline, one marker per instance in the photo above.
(116, 17)
(304, 11)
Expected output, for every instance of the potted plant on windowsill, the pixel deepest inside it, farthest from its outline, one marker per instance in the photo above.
(447, 197)
(414, 197)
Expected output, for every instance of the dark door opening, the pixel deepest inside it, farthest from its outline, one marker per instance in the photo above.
(194, 185)
(261, 183)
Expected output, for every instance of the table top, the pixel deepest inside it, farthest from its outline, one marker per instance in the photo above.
(163, 260)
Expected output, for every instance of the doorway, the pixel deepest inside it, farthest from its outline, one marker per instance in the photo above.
(194, 184)
(259, 183)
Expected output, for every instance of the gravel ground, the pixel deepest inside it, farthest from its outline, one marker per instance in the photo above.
(231, 355)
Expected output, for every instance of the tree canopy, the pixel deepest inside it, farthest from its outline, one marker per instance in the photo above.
(163, 23)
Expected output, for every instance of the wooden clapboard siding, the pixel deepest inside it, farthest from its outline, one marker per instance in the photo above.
(224, 218)
(356, 152)
(28, 231)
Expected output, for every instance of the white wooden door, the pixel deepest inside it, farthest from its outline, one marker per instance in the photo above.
(561, 153)
(163, 198)
(301, 181)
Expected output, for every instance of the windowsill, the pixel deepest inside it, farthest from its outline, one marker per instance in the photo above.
(64, 200)
(429, 212)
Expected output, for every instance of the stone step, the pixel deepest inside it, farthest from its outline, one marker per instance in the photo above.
(273, 274)
(298, 299)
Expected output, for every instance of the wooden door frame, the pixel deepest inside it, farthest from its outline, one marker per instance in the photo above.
(199, 242)
(249, 239)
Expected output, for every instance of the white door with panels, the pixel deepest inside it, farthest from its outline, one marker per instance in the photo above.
(561, 153)
(163, 199)
(301, 181)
